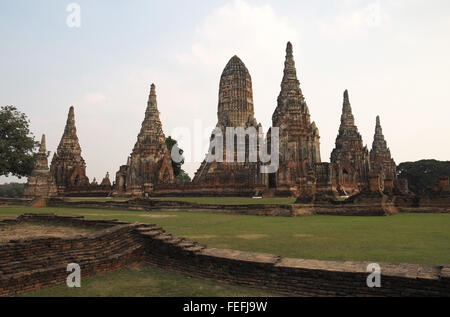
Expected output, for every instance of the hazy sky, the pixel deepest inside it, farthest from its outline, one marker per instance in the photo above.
(392, 56)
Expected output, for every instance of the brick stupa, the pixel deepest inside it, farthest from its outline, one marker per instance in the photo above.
(235, 109)
(68, 166)
(150, 162)
(380, 156)
(41, 183)
(350, 155)
(299, 138)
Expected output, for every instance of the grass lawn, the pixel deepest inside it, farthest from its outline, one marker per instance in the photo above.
(147, 281)
(402, 238)
(232, 200)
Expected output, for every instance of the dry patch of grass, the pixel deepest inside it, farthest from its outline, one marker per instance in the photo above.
(22, 231)
(204, 236)
(303, 235)
(135, 215)
(252, 236)
(157, 216)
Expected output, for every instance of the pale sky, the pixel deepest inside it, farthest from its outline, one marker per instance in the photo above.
(392, 56)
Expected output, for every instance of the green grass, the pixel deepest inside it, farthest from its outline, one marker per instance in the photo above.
(402, 238)
(231, 200)
(147, 281)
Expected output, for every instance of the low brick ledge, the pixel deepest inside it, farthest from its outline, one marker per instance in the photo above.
(150, 244)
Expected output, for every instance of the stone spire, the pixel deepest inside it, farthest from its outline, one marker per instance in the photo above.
(41, 183)
(290, 85)
(151, 129)
(379, 143)
(152, 105)
(235, 107)
(150, 161)
(69, 144)
(299, 138)
(106, 182)
(68, 167)
(41, 160)
(349, 152)
(347, 119)
(380, 155)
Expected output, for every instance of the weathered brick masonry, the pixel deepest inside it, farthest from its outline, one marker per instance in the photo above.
(30, 264)
(26, 265)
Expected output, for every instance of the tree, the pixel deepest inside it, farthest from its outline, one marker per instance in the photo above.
(17, 144)
(180, 175)
(424, 174)
(12, 190)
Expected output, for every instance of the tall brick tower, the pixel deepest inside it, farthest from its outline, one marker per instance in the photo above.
(299, 138)
(235, 109)
(349, 154)
(150, 162)
(380, 155)
(68, 167)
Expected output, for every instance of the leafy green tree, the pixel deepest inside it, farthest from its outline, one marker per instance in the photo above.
(180, 175)
(17, 144)
(424, 174)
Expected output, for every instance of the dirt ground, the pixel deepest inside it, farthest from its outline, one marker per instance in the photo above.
(23, 231)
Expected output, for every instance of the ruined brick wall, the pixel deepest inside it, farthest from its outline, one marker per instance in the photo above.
(154, 204)
(293, 277)
(31, 264)
(6, 201)
(202, 190)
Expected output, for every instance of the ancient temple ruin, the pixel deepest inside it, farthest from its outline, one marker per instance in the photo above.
(299, 141)
(235, 110)
(352, 179)
(350, 156)
(380, 156)
(150, 162)
(68, 167)
(41, 183)
(106, 182)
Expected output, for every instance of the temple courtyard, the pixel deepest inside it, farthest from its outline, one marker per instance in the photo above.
(402, 238)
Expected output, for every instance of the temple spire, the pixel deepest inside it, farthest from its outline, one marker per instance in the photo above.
(289, 54)
(347, 119)
(70, 128)
(68, 167)
(40, 182)
(69, 140)
(378, 129)
(41, 158)
(379, 143)
(152, 105)
(380, 155)
(290, 83)
(346, 98)
(43, 146)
